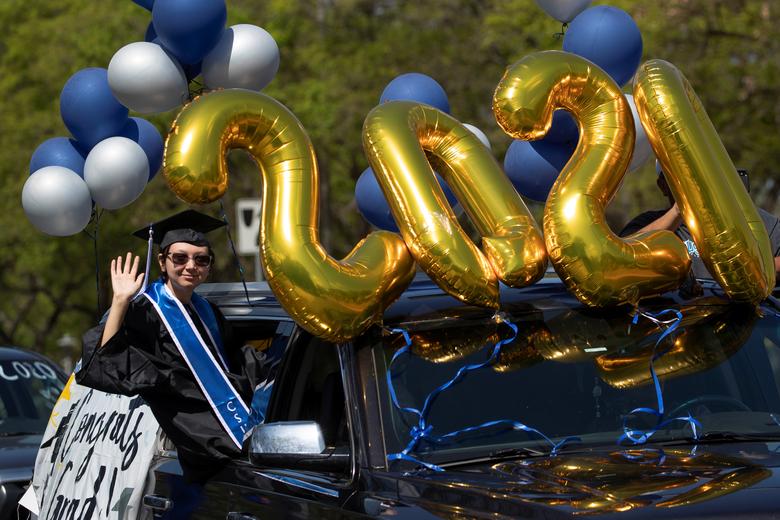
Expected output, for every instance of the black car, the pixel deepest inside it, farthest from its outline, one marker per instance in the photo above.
(29, 386)
(547, 409)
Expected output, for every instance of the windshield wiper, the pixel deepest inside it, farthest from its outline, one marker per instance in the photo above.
(499, 455)
(17, 434)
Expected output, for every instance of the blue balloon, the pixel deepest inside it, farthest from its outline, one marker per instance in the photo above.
(190, 71)
(149, 139)
(89, 109)
(416, 87)
(146, 4)
(608, 37)
(59, 151)
(151, 34)
(564, 129)
(189, 28)
(373, 206)
(533, 166)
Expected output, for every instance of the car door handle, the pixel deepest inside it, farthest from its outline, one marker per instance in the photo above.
(158, 503)
(233, 515)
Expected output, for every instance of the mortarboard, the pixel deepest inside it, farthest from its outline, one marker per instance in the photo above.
(188, 226)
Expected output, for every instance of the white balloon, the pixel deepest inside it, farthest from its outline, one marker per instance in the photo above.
(56, 200)
(563, 10)
(642, 148)
(246, 57)
(145, 78)
(480, 134)
(116, 171)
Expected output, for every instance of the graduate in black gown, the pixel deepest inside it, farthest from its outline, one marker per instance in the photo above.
(172, 347)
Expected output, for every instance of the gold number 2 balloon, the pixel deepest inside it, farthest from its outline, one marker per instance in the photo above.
(595, 264)
(723, 221)
(396, 137)
(335, 300)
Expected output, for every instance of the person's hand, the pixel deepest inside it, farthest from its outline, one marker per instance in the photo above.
(125, 282)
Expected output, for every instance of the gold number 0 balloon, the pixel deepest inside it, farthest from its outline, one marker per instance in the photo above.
(331, 299)
(723, 221)
(595, 264)
(396, 136)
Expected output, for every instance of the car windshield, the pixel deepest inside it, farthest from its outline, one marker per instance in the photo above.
(577, 372)
(28, 390)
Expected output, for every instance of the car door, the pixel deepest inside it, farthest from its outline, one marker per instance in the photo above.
(169, 496)
(310, 387)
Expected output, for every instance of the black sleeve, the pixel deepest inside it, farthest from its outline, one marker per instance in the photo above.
(640, 221)
(125, 364)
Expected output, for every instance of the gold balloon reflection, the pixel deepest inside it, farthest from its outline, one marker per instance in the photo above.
(708, 336)
(724, 223)
(396, 137)
(595, 264)
(623, 480)
(335, 300)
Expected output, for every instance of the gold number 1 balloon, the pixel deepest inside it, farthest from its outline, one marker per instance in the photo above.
(335, 300)
(595, 264)
(723, 221)
(396, 137)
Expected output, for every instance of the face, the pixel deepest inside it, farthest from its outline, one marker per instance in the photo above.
(185, 272)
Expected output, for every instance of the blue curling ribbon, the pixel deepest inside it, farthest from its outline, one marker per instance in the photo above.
(422, 430)
(639, 436)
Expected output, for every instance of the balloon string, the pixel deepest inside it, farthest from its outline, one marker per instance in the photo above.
(97, 215)
(561, 34)
(422, 430)
(638, 436)
(233, 249)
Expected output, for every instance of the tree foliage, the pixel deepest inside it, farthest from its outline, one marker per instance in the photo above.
(336, 57)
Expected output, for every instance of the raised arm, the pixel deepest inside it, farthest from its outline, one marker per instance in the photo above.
(125, 283)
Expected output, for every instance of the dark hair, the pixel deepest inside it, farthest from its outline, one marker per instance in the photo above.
(164, 254)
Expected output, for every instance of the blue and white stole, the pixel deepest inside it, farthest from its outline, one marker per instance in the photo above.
(235, 417)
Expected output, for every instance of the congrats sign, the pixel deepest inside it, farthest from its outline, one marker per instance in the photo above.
(95, 456)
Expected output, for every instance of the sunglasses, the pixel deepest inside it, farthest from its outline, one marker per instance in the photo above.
(182, 259)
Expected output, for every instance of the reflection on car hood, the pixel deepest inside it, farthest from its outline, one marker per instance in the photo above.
(728, 479)
(17, 456)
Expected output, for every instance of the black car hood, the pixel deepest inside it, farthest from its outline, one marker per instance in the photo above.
(17, 456)
(727, 480)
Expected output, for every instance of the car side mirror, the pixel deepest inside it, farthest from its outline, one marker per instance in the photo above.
(294, 445)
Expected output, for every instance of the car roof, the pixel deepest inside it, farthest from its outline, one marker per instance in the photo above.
(255, 300)
(13, 353)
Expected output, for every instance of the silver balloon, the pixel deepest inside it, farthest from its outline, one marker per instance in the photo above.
(116, 171)
(642, 148)
(56, 200)
(145, 78)
(480, 135)
(246, 57)
(563, 10)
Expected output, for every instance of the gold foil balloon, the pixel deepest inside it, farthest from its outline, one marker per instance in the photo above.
(396, 137)
(595, 264)
(335, 300)
(723, 221)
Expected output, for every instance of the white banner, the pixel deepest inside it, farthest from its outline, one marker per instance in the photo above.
(95, 456)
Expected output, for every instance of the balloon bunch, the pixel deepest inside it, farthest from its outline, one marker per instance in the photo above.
(421, 88)
(111, 156)
(608, 37)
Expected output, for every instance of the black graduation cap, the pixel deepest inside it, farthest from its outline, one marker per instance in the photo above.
(189, 226)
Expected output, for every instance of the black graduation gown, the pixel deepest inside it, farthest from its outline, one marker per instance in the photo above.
(142, 359)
